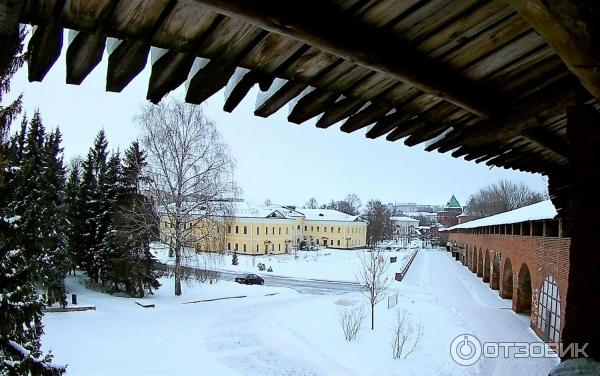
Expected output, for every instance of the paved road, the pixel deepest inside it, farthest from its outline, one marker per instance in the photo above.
(303, 286)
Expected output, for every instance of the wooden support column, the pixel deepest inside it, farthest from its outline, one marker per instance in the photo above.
(582, 308)
(9, 24)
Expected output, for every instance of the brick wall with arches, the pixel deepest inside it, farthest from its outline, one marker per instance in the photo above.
(530, 270)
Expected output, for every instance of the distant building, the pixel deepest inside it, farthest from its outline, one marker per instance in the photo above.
(402, 207)
(448, 217)
(274, 229)
(404, 225)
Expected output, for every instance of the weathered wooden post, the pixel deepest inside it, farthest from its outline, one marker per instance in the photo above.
(582, 309)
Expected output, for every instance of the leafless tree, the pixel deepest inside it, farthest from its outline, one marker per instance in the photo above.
(311, 204)
(373, 278)
(268, 202)
(406, 335)
(351, 319)
(501, 197)
(190, 178)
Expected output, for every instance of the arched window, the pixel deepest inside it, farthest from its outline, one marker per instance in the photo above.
(548, 310)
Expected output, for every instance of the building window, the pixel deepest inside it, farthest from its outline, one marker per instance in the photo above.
(331, 228)
(279, 230)
(331, 242)
(317, 228)
(548, 312)
(245, 247)
(287, 230)
(279, 247)
(306, 228)
(257, 248)
(311, 228)
(257, 230)
(338, 243)
(229, 229)
(245, 230)
(236, 247)
(273, 230)
(266, 230)
(229, 246)
(339, 230)
(237, 229)
(324, 228)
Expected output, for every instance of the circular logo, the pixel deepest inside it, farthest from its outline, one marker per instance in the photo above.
(465, 350)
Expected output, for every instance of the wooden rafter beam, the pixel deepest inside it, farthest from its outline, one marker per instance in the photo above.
(548, 141)
(571, 28)
(518, 118)
(324, 26)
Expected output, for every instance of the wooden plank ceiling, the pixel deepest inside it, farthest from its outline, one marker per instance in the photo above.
(467, 76)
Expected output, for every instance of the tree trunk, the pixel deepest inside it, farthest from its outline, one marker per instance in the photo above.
(178, 271)
(372, 317)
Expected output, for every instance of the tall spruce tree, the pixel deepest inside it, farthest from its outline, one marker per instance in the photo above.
(73, 216)
(131, 223)
(90, 200)
(108, 251)
(54, 261)
(86, 234)
(20, 305)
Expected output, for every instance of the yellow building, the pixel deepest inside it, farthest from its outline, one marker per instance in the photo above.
(275, 229)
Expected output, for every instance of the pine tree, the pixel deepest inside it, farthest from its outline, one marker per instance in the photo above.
(54, 254)
(84, 236)
(109, 186)
(134, 235)
(73, 216)
(92, 205)
(234, 259)
(20, 306)
(132, 266)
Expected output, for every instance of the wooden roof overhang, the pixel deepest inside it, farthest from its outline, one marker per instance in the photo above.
(487, 80)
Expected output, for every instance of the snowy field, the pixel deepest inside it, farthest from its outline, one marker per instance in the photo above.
(277, 331)
(325, 264)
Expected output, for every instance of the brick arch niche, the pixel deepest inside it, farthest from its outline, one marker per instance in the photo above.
(495, 276)
(506, 291)
(522, 303)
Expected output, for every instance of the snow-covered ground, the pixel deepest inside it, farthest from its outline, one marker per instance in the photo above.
(276, 331)
(325, 264)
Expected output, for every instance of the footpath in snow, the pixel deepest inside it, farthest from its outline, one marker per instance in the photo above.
(276, 331)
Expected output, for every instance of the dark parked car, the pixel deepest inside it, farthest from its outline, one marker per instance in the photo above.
(250, 279)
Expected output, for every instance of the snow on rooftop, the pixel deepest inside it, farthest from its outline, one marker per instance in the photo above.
(326, 215)
(536, 212)
(245, 209)
(404, 219)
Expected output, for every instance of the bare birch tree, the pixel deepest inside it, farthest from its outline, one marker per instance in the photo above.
(190, 177)
(373, 278)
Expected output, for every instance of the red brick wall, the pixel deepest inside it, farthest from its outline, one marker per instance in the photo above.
(542, 255)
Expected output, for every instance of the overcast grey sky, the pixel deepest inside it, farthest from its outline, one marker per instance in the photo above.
(285, 162)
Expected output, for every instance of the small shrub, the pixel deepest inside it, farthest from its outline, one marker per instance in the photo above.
(351, 319)
(406, 335)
